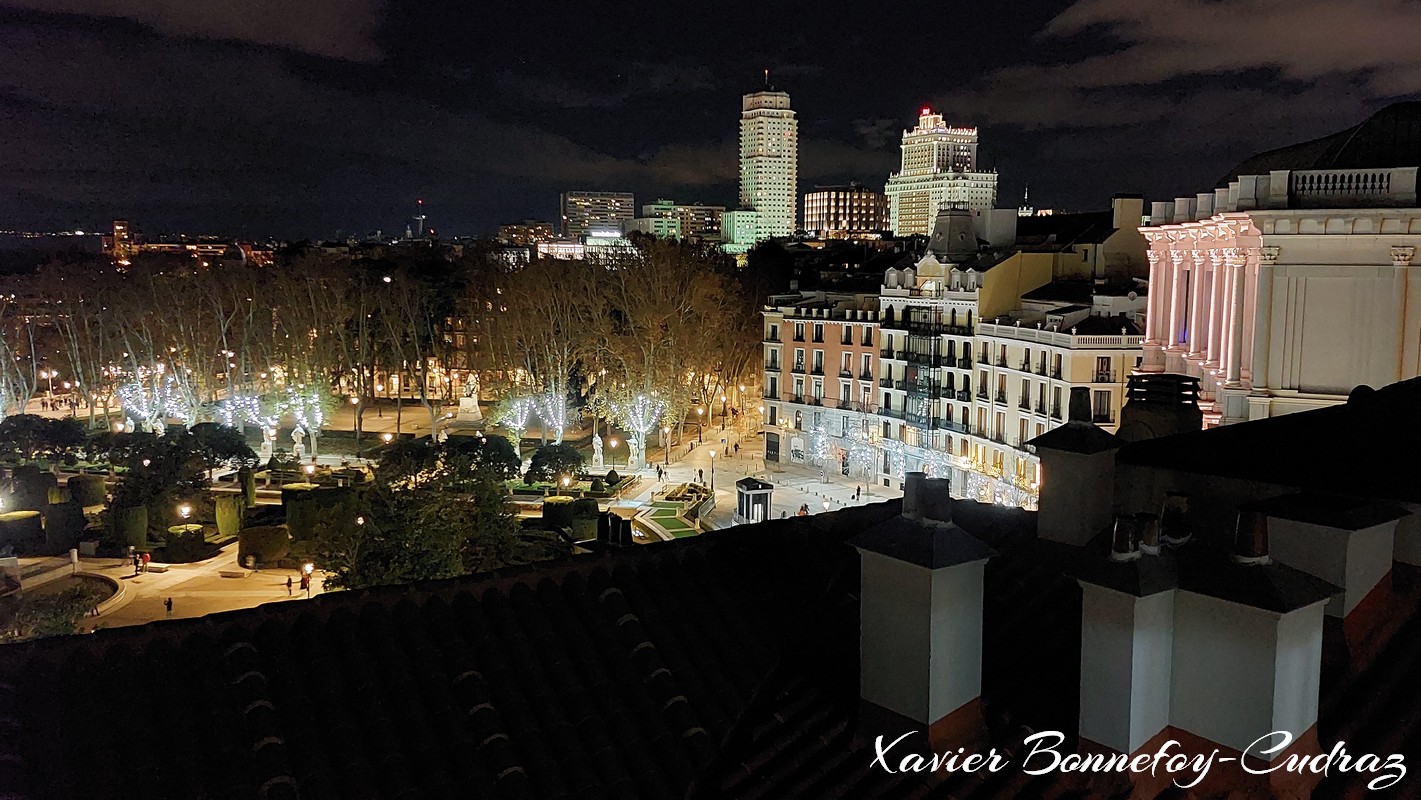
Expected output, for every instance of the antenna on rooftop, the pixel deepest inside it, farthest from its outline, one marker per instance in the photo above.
(767, 77)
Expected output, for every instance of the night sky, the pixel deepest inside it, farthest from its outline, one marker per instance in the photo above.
(299, 118)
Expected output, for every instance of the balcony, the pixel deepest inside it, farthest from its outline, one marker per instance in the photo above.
(886, 383)
(816, 401)
(895, 413)
(1002, 362)
(926, 359)
(1025, 365)
(844, 373)
(847, 341)
(868, 340)
(798, 368)
(885, 353)
(845, 405)
(1041, 409)
(818, 340)
(796, 398)
(1055, 412)
(1056, 373)
(772, 366)
(1100, 418)
(893, 325)
(1041, 369)
(798, 337)
(1024, 405)
(817, 370)
(982, 395)
(867, 375)
(1104, 377)
(965, 395)
(899, 385)
(771, 394)
(964, 363)
(1000, 398)
(772, 337)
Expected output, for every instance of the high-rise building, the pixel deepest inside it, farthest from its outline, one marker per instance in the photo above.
(939, 171)
(769, 161)
(845, 211)
(594, 213)
(120, 244)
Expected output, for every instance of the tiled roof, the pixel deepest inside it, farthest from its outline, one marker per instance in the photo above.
(721, 666)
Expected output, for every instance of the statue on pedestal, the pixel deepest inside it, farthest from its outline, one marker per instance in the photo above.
(268, 443)
(597, 452)
(298, 447)
(469, 403)
(633, 460)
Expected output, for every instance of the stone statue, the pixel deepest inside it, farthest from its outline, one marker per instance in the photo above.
(634, 459)
(469, 410)
(298, 447)
(268, 443)
(597, 452)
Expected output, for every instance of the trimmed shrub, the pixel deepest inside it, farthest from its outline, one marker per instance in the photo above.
(613, 478)
(184, 547)
(23, 529)
(87, 490)
(584, 508)
(128, 526)
(229, 514)
(267, 543)
(249, 486)
(557, 512)
(59, 494)
(63, 526)
(32, 487)
(598, 485)
(302, 508)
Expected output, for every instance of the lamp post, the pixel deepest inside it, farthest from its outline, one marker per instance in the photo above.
(666, 444)
(612, 445)
(722, 412)
(380, 409)
(307, 569)
(712, 458)
(387, 437)
(700, 412)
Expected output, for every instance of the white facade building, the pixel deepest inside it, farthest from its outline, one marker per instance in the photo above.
(939, 170)
(769, 162)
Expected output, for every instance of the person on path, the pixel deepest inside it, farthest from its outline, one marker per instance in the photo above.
(168, 604)
(737, 448)
(701, 475)
(135, 565)
(146, 557)
(288, 585)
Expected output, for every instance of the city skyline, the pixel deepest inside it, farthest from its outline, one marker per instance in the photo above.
(189, 120)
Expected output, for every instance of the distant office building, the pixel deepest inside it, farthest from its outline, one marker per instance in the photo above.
(697, 221)
(658, 226)
(527, 232)
(845, 211)
(585, 213)
(939, 171)
(769, 161)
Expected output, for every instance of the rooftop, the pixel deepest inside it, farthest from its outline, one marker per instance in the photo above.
(1389, 138)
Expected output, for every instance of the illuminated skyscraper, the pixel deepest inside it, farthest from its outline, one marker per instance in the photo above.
(769, 161)
(939, 171)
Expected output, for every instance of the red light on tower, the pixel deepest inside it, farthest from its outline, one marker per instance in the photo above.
(926, 111)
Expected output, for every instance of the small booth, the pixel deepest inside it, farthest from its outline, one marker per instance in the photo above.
(754, 500)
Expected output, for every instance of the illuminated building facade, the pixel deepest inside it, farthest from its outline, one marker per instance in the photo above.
(939, 170)
(844, 211)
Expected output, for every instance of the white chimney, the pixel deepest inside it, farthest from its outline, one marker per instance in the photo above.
(1077, 494)
(1127, 641)
(1247, 642)
(920, 632)
(1341, 540)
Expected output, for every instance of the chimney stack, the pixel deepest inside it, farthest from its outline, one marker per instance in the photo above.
(1174, 519)
(1251, 538)
(1125, 544)
(1079, 409)
(1077, 476)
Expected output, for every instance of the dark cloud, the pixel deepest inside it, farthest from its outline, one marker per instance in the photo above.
(343, 29)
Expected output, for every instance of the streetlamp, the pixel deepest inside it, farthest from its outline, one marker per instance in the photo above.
(700, 411)
(379, 409)
(612, 445)
(184, 511)
(307, 568)
(387, 437)
(666, 444)
(712, 458)
(722, 411)
(310, 472)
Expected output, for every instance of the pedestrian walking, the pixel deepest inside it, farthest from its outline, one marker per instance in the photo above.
(168, 604)
(857, 489)
(146, 557)
(701, 475)
(288, 585)
(136, 562)
(737, 448)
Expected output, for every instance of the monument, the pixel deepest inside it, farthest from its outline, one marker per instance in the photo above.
(268, 444)
(597, 462)
(634, 459)
(469, 404)
(298, 447)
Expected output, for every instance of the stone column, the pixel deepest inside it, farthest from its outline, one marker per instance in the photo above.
(1217, 311)
(1263, 316)
(1235, 259)
(1198, 325)
(1177, 300)
(1157, 321)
